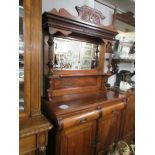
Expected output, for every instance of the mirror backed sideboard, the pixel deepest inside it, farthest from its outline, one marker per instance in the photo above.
(87, 117)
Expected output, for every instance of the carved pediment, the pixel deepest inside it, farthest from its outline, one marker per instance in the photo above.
(90, 15)
(88, 22)
(85, 13)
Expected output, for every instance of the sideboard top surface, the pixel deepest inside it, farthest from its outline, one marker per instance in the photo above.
(84, 101)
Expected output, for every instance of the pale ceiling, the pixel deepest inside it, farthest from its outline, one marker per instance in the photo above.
(122, 5)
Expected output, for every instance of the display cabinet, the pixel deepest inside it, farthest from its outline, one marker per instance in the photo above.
(125, 22)
(33, 126)
(124, 47)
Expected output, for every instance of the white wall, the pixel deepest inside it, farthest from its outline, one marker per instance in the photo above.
(122, 5)
(107, 12)
(69, 5)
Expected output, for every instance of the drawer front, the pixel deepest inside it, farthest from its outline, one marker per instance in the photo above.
(27, 144)
(80, 119)
(113, 108)
(33, 144)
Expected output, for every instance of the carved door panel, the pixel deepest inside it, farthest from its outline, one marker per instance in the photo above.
(100, 153)
(129, 125)
(78, 140)
(108, 131)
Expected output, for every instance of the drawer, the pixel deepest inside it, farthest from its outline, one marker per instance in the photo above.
(79, 119)
(112, 108)
(27, 144)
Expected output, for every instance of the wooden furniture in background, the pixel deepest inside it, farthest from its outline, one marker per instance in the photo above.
(129, 115)
(127, 18)
(129, 125)
(33, 126)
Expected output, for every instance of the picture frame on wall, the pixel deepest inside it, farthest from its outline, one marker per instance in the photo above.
(86, 63)
(87, 53)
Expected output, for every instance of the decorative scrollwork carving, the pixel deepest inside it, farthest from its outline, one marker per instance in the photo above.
(50, 66)
(42, 150)
(50, 62)
(90, 15)
(50, 40)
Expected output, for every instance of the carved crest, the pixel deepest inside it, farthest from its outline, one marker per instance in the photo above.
(90, 15)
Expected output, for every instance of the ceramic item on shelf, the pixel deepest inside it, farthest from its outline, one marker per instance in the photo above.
(125, 86)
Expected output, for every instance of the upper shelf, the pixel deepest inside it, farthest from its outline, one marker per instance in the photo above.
(127, 18)
(124, 60)
(119, 60)
(79, 74)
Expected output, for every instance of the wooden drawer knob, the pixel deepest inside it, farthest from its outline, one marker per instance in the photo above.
(114, 110)
(83, 120)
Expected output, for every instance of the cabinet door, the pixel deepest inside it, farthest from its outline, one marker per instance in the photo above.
(29, 57)
(78, 140)
(129, 124)
(108, 131)
(24, 57)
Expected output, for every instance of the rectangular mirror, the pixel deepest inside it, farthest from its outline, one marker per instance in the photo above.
(71, 54)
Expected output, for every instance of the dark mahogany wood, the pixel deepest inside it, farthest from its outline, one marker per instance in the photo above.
(75, 25)
(108, 131)
(69, 82)
(127, 18)
(101, 110)
(93, 119)
(78, 140)
(79, 102)
(129, 124)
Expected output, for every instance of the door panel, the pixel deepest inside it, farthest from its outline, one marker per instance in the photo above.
(108, 131)
(78, 140)
(129, 125)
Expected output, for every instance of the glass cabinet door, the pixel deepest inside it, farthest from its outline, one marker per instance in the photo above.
(24, 57)
(21, 56)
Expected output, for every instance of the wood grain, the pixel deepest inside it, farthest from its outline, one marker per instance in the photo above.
(33, 127)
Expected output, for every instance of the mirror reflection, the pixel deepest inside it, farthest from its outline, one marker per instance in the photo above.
(21, 56)
(72, 54)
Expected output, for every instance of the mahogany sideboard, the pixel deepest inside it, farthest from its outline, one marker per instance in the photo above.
(87, 118)
(91, 124)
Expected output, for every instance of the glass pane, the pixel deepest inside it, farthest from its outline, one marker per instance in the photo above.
(21, 56)
(74, 54)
